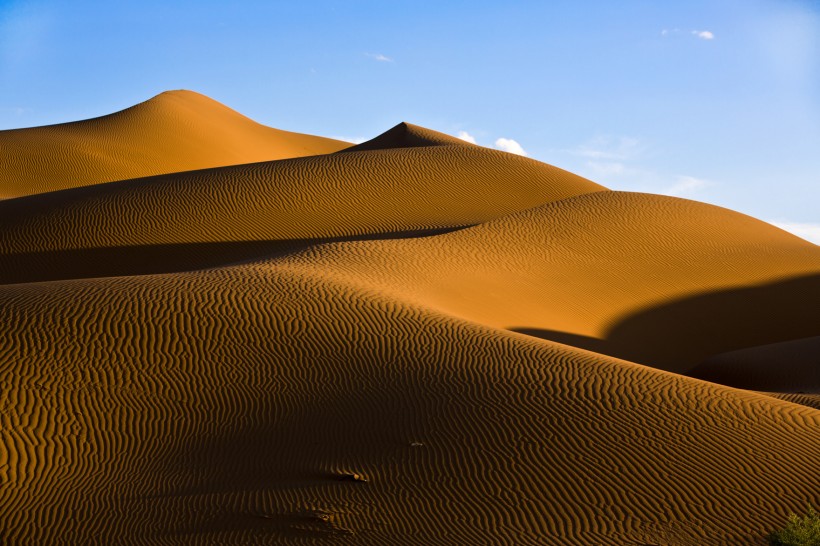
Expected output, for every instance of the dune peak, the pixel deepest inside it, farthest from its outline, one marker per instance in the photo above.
(408, 135)
(174, 131)
(187, 97)
(428, 341)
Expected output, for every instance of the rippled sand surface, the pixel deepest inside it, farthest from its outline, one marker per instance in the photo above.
(411, 341)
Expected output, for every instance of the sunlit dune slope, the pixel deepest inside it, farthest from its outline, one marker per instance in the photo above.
(652, 279)
(270, 403)
(790, 366)
(407, 135)
(410, 341)
(174, 131)
(357, 193)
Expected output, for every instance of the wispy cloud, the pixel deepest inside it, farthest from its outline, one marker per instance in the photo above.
(608, 168)
(620, 162)
(379, 57)
(609, 147)
(16, 110)
(610, 157)
(352, 140)
(809, 232)
(467, 137)
(685, 185)
(702, 34)
(509, 145)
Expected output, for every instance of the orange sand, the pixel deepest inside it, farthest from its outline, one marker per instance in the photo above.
(409, 342)
(174, 131)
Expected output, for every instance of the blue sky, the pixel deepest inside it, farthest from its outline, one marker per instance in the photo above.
(714, 100)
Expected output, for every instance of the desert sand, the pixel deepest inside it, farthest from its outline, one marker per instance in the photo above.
(174, 131)
(415, 340)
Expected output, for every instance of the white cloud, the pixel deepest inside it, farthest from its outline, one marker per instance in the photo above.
(509, 145)
(466, 137)
(612, 159)
(809, 232)
(621, 163)
(702, 34)
(379, 57)
(685, 185)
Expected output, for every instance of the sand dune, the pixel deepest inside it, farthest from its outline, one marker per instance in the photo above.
(407, 135)
(657, 280)
(359, 193)
(242, 403)
(174, 131)
(407, 342)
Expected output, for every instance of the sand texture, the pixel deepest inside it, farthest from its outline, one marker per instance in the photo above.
(656, 280)
(412, 341)
(175, 221)
(174, 131)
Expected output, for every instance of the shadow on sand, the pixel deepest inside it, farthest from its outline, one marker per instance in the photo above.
(678, 335)
(89, 263)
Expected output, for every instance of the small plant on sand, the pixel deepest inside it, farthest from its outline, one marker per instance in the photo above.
(799, 531)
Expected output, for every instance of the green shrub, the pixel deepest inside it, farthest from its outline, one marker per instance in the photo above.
(799, 531)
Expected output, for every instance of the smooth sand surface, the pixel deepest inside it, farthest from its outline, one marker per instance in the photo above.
(790, 366)
(408, 342)
(174, 131)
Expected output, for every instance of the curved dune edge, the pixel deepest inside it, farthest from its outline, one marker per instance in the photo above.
(338, 195)
(174, 131)
(265, 401)
(408, 135)
(657, 280)
(404, 342)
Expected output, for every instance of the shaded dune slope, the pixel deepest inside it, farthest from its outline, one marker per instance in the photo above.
(790, 366)
(268, 403)
(408, 135)
(357, 193)
(174, 131)
(651, 279)
(352, 366)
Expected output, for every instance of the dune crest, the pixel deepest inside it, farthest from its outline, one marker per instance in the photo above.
(657, 280)
(407, 135)
(174, 131)
(222, 405)
(413, 341)
(356, 194)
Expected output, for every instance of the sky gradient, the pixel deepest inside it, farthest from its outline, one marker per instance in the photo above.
(717, 100)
